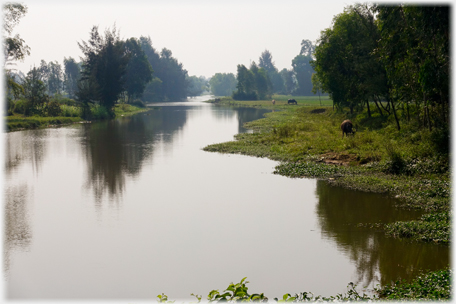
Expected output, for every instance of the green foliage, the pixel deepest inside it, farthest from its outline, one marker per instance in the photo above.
(52, 108)
(433, 227)
(138, 70)
(99, 112)
(303, 71)
(222, 84)
(196, 85)
(104, 67)
(432, 286)
(163, 299)
(236, 293)
(18, 122)
(72, 73)
(34, 93)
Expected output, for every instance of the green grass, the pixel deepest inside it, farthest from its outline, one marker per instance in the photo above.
(70, 114)
(18, 122)
(281, 101)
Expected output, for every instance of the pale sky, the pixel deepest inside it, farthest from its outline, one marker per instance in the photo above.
(207, 37)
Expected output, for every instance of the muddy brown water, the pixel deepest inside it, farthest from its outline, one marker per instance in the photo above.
(132, 208)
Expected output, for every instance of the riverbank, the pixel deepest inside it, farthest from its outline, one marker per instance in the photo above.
(19, 122)
(430, 286)
(411, 164)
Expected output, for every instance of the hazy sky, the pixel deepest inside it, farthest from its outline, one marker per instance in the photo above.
(207, 37)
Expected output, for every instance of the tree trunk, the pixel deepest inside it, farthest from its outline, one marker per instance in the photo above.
(395, 116)
(376, 104)
(368, 109)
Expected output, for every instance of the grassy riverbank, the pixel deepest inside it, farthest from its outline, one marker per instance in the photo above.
(70, 114)
(411, 164)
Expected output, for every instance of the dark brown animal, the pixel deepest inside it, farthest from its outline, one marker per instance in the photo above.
(292, 101)
(347, 128)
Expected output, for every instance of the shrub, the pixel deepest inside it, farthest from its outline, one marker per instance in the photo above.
(53, 109)
(99, 112)
(138, 103)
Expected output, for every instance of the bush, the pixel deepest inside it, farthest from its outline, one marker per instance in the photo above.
(138, 103)
(53, 109)
(99, 112)
(244, 96)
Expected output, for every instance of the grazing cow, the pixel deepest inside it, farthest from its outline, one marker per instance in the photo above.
(273, 102)
(292, 101)
(347, 127)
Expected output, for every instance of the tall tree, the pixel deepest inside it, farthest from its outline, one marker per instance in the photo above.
(139, 71)
(55, 78)
(288, 81)
(245, 84)
(276, 81)
(303, 71)
(71, 76)
(34, 92)
(105, 65)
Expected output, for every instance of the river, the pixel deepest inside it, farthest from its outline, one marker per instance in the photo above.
(132, 208)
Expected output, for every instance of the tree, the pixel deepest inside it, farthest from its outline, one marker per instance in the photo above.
(266, 63)
(72, 72)
(14, 47)
(263, 86)
(139, 71)
(34, 92)
(222, 84)
(173, 75)
(197, 85)
(245, 84)
(316, 86)
(345, 61)
(307, 48)
(289, 82)
(154, 89)
(303, 71)
(276, 81)
(104, 66)
(414, 48)
(55, 78)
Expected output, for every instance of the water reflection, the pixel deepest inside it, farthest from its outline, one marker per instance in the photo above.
(18, 233)
(117, 148)
(340, 211)
(23, 146)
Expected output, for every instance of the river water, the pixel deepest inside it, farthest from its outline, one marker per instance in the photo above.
(132, 208)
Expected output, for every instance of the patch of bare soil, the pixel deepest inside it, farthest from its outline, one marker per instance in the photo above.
(333, 158)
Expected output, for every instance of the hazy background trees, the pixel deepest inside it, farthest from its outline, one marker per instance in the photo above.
(223, 84)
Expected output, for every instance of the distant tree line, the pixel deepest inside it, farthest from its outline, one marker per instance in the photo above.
(261, 80)
(392, 57)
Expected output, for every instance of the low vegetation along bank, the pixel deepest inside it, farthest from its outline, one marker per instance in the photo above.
(426, 287)
(411, 164)
(64, 111)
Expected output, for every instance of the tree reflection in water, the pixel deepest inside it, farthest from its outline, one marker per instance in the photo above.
(117, 148)
(345, 217)
(18, 233)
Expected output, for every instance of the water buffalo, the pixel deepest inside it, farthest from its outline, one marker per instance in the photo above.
(292, 101)
(347, 127)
